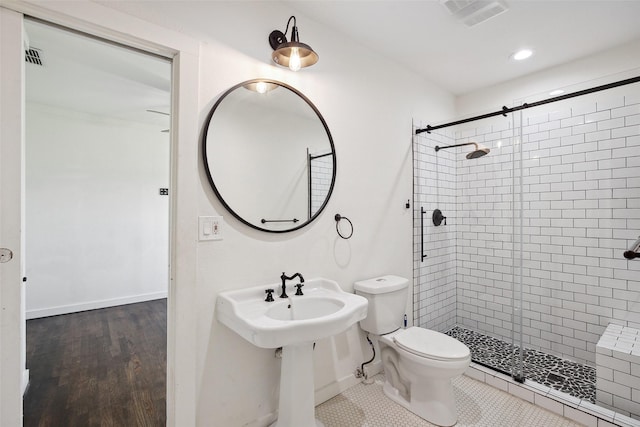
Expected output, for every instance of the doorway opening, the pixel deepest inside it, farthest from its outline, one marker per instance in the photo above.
(97, 175)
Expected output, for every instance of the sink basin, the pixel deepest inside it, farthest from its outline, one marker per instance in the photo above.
(305, 309)
(293, 323)
(323, 311)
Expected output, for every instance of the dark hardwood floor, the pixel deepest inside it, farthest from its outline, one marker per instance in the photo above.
(102, 367)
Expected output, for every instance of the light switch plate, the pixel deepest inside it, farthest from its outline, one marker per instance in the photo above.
(209, 228)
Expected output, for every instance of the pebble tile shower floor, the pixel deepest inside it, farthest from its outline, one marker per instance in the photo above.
(563, 375)
(479, 405)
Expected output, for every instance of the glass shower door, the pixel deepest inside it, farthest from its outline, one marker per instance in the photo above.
(517, 259)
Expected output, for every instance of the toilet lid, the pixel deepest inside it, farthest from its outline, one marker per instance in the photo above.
(431, 344)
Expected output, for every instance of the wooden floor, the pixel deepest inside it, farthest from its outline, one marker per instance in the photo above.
(102, 367)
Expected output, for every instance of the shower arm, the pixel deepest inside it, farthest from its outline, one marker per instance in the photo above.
(634, 251)
(438, 148)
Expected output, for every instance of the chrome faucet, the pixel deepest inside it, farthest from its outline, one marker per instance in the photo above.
(284, 278)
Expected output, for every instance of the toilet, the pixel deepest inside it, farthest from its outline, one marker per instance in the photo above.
(418, 363)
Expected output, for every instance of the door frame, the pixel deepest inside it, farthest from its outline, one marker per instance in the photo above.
(12, 323)
(89, 18)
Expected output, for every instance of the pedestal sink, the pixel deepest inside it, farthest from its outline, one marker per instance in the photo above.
(294, 324)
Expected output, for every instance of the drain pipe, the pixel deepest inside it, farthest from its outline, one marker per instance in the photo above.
(361, 372)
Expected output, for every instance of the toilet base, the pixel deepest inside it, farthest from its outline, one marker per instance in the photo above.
(434, 402)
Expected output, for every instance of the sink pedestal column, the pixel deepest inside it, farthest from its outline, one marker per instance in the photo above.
(297, 401)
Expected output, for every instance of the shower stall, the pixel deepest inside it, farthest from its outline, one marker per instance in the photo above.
(529, 266)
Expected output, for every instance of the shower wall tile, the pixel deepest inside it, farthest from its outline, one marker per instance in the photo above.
(435, 276)
(581, 210)
(609, 102)
(583, 107)
(618, 369)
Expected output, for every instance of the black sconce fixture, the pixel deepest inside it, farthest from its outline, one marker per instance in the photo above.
(293, 54)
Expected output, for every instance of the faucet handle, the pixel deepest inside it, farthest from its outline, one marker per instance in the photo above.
(269, 296)
(299, 290)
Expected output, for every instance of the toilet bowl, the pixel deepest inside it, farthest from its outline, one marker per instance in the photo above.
(418, 363)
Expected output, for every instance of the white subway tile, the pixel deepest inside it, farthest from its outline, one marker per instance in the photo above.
(632, 120)
(608, 101)
(625, 131)
(611, 124)
(549, 404)
(572, 139)
(598, 135)
(585, 128)
(585, 107)
(580, 417)
(614, 388)
(599, 116)
(625, 111)
(560, 114)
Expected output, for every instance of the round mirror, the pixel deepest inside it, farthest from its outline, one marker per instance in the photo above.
(269, 155)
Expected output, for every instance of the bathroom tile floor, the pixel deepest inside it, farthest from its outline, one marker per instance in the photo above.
(566, 376)
(479, 404)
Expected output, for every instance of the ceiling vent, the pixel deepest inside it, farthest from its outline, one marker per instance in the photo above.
(473, 12)
(33, 56)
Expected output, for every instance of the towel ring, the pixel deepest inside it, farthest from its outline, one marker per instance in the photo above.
(338, 217)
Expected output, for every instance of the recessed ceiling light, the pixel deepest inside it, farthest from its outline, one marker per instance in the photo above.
(522, 54)
(556, 92)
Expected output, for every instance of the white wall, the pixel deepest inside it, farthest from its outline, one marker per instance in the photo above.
(368, 104)
(97, 226)
(606, 67)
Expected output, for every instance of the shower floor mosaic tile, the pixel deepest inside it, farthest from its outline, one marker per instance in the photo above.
(563, 375)
(479, 405)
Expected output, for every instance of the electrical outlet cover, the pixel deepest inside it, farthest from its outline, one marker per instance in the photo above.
(209, 228)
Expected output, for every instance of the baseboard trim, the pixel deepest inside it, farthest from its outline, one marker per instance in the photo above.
(92, 305)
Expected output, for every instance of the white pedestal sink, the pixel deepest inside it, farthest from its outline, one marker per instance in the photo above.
(294, 324)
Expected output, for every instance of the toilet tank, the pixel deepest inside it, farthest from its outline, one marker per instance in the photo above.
(387, 296)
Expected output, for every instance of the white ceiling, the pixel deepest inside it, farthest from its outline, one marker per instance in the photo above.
(83, 74)
(425, 37)
(421, 35)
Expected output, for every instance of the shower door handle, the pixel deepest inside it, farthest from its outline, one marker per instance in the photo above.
(422, 212)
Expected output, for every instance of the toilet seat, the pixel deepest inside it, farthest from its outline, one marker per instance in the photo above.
(431, 344)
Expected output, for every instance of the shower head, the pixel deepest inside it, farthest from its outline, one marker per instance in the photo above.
(478, 152)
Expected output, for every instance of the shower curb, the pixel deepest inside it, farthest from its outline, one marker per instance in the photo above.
(563, 404)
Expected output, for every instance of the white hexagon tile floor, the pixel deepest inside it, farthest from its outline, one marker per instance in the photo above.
(478, 405)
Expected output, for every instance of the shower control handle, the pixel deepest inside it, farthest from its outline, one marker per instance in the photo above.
(437, 218)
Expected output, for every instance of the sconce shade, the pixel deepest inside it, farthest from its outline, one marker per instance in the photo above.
(282, 55)
(293, 54)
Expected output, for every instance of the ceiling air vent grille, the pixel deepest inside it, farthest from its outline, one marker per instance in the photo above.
(33, 56)
(473, 12)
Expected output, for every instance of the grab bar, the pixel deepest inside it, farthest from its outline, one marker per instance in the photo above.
(634, 250)
(422, 212)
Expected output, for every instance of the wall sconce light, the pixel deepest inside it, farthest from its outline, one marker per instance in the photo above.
(293, 54)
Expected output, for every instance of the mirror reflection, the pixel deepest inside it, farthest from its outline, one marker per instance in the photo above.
(269, 155)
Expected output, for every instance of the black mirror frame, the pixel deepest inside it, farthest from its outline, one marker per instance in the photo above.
(206, 162)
